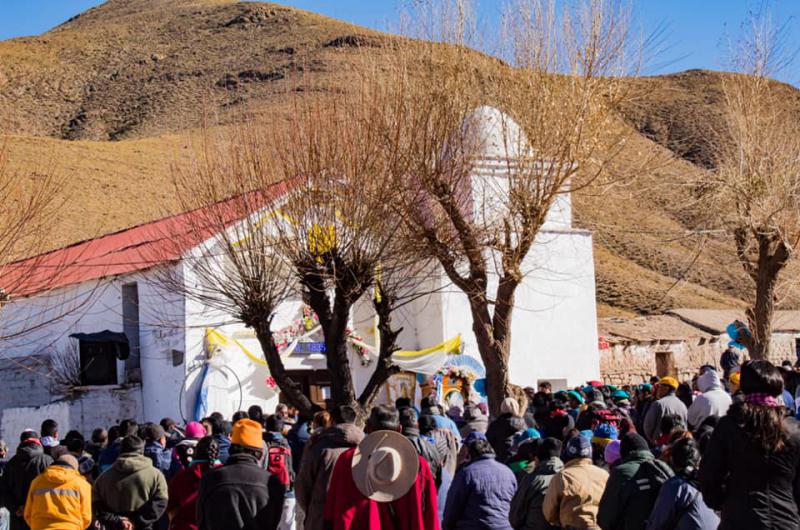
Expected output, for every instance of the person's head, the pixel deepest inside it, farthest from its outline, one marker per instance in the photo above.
(100, 437)
(654, 380)
(322, 420)
(545, 387)
(282, 410)
(684, 456)
(343, 414)
(401, 403)
(206, 449)
(429, 404)
(408, 418)
(274, 423)
(195, 430)
(427, 424)
(478, 448)
(239, 415)
(577, 447)
(548, 448)
(68, 461)
(217, 416)
(167, 424)
(632, 442)
(246, 438)
(761, 414)
(75, 443)
(3, 449)
(255, 413)
(215, 426)
(131, 444)
(666, 386)
(113, 434)
(383, 418)
(510, 406)
(574, 399)
(153, 432)
(29, 435)
(49, 429)
(128, 427)
(671, 423)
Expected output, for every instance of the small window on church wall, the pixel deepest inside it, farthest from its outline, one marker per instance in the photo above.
(98, 363)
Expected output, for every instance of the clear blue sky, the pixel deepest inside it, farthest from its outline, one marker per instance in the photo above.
(696, 29)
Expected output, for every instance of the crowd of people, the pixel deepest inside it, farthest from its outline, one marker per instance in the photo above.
(719, 451)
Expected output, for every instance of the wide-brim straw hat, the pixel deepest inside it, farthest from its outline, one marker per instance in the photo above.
(385, 466)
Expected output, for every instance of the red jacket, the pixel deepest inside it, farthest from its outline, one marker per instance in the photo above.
(183, 490)
(347, 509)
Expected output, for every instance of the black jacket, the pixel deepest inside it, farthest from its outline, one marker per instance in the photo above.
(501, 435)
(240, 496)
(428, 451)
(753, 491)
(18, 474)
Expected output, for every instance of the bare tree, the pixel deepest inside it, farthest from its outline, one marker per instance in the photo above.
(753, 190)
(557, 133)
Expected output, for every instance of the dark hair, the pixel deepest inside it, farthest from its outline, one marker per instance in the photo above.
(274, 423)
(167, 423)
(99, 436)
(427, 423)
(670, 422)
(240, 415)
(478, 448)
(256, 413)
(764, 425)
(545, 384)
(128, 427)
(685, 457)
(343, 414)
(383, 418)
(684, 393)
(217, 416)
(207, 449)
(74, 442)
(241, 449)
(402, 402)
(113, 434)
(49, 428)
(548, 448)
(408, 417)
(216, 425)
(28, 434)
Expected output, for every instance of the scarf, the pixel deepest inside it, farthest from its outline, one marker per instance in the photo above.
(762, 399)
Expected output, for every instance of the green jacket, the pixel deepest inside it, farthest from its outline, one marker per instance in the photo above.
(623, 507)
(131, 487)
(526, 506)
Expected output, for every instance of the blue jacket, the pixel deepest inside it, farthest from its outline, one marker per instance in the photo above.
(480, 496)
(160, 455)
(109, 455)
(224, 447)
(680, 506)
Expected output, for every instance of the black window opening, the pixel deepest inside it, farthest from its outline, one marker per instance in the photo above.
(99, 353)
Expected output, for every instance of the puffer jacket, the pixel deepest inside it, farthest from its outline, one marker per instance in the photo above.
(480, 496)
(526, 506)
(753, 491)
(573, 497)
(319, 457)
(680, 506)
(59, 499)
(132, 488)
(18, 473)
(713, 402)
(619, 510)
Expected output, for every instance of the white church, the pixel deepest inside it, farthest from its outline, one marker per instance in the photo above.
(107, 340)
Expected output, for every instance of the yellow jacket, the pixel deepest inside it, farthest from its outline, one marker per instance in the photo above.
(573, 496)
(59, 499)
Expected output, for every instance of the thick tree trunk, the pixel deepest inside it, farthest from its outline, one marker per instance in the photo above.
(494, 353)
(388, 345)
(772, 258)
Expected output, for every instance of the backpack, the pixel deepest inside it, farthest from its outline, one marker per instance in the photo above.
(278, 463)
(640, 492)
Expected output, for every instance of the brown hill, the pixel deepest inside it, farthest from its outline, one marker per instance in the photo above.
(111, 95)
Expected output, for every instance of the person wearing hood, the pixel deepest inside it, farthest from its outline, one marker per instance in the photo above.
(18, 474)
(679, 505)
(714, 401)
(502, 430)
(666, 404)
(526, 506)
(574, 492)
(474, 420)
(59, 498)
(132, 487)
(241, 495)
(319, 457)
(630, 493)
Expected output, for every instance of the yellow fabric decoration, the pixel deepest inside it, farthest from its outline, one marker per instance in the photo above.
(217, 339)
(449, 346)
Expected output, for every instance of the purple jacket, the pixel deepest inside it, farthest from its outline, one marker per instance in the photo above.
(480, 496)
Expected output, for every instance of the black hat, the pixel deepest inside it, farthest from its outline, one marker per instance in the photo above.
(28, 434)
(632, 442)
(131, 444)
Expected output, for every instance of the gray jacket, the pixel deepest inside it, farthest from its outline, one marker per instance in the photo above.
(714, 401)
(667, 406)
(526, 506)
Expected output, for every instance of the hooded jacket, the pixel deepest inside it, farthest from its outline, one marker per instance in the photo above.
(713, 402)
(240, 496)
(574, 494)
(183, 490)
(669, 405)
(619, 510)
(311, 484)
(526, 506)
(159, 455)
(132, 488)
(680, 506)
(480, 496)
(18, 473)
(753, 491)
(59, 499)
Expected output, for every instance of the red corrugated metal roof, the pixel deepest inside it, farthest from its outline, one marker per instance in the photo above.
(130, 250)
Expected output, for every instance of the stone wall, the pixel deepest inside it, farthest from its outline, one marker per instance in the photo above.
(25, 381)
(85, 410)
(635, 362)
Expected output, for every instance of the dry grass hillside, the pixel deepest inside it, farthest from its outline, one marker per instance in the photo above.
(111, 96)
